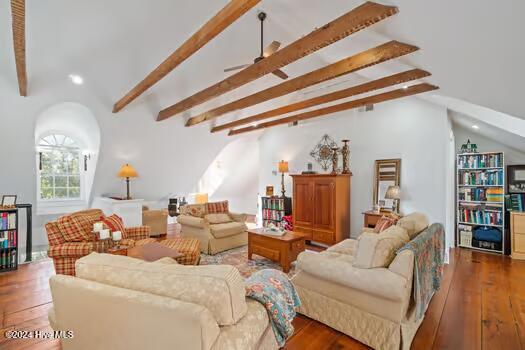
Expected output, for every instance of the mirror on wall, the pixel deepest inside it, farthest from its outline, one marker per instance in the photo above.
(387, 173)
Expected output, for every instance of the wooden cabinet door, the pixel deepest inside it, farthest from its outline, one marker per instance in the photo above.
(302, 202)
(324, 204)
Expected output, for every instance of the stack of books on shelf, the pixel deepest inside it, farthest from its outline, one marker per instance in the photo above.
(274, 209)
(480, 201)
(8, 240)
(492, 160)
(482, 177)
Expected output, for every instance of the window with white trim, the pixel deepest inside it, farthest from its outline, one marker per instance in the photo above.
(59, 168)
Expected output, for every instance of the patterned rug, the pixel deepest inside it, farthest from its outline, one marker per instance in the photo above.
(238, 257)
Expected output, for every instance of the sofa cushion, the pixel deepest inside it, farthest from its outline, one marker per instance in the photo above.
(383, 223)
(378, 281)
(378, 250)
(113, 222)
(217, 207)
(197, 210)
(413, 223)
(69, 229)
(192, 221)
(347, 246)
(227, 229)
(219, 218)
(219, 288)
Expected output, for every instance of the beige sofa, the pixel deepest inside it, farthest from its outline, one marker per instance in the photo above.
(118, 302)
(372, 305)
(214, 237)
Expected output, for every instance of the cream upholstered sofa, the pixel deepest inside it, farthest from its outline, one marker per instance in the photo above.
(368, 303)
(121, 303)
(216, 231)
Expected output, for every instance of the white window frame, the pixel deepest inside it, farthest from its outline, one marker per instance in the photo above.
(60, 205)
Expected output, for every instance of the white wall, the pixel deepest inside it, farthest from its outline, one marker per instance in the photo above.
(411, 129)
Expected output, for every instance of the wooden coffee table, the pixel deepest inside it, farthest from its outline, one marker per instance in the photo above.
(282, 249)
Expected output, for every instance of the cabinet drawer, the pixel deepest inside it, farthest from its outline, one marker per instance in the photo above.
(323, 237)
(519, 243)
(297, 247)
(267, 253)
(306, 231)
(518, 224)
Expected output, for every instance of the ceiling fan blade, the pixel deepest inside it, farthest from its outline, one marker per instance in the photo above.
(280, 74)
(237, 67)
(270, 49)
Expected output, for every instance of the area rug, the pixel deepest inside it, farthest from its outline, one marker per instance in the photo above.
(238, 257)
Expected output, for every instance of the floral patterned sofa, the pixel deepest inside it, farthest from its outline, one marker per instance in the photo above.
(70, 238)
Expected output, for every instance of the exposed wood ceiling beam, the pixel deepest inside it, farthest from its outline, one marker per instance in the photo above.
(18, 14)
(348, 65)
(374, 99)
(225, 17)
(333, 96)
(351, 22)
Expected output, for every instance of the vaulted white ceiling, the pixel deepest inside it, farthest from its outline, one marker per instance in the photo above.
(474, 48)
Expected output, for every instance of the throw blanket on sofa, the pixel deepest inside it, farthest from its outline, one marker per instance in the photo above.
(429, 252)
(274, 290)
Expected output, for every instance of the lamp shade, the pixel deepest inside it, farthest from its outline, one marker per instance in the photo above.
(201, 198)
(283, 166)
(393, 192)
(127, 171)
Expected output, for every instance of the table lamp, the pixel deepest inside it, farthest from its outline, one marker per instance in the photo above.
(393, 192)
(127, 172)
(201, 198)
(283, 168)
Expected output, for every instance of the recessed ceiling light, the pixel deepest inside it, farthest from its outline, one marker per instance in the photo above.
(76, 79)
(475, 127)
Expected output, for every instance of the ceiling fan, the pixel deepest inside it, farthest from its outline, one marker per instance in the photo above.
(269, 50)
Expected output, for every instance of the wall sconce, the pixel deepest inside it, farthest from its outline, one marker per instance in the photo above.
(86, 157)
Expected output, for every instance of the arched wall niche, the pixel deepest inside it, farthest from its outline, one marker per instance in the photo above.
(78, 122)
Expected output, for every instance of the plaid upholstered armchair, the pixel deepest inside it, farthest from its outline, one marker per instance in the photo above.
(71, 237)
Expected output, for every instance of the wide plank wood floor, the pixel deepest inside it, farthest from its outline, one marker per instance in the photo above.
(481, 305)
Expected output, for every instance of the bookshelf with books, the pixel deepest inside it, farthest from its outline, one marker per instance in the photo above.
(274, 209)
(480, 201)
(8, 239)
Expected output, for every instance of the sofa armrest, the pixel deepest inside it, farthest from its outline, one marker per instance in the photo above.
(71, 250)
(193, 221)
(136, 233)
(238, 217)
(403, 264)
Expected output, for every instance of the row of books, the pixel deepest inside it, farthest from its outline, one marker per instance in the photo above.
(481, 194)
(276, 215)
(8, 239)
(481, 217)
(480, 161)
(7, 221)
(273, 203)
(8, 258)
(490, 177)
(515, 202)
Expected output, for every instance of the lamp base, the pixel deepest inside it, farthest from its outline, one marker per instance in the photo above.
(128, 197)
(282, 186)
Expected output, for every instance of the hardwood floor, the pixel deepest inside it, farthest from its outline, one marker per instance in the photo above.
(481, 305)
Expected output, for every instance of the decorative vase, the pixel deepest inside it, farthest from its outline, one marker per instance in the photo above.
(346, 157)
(335, 157)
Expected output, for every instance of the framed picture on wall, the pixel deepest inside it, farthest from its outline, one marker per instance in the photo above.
(9, 200)
(516, 178)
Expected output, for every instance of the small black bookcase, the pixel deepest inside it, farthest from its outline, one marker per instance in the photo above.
(274, 208)
(8, 239)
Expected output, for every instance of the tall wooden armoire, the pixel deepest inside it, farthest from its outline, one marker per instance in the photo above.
(321, 206)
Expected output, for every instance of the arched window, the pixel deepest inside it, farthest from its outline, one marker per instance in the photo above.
(59, 168)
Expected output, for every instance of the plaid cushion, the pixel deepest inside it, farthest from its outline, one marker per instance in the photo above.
(54, 236)
(85, 219)
(383, 223)
(113, 222)
(136, 233)
(217, 207)
(190, 247)
(69, 229)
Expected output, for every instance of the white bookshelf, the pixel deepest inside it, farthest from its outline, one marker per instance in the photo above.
(471, 196)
